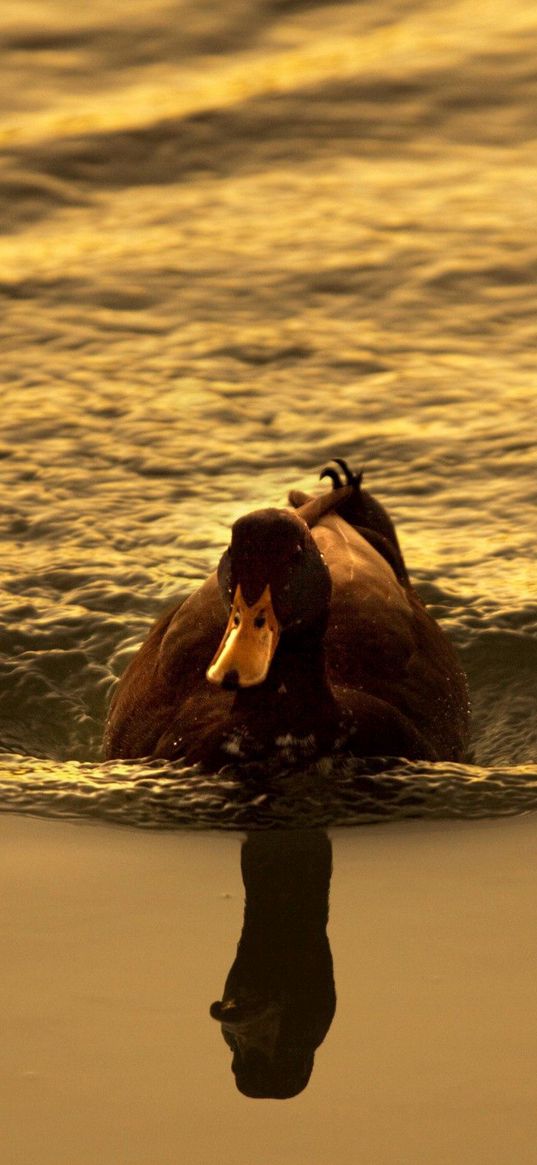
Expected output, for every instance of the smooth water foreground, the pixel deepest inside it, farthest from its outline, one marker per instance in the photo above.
(235, 242)
(119, 941)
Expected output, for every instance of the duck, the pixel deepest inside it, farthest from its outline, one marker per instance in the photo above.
(308, 640)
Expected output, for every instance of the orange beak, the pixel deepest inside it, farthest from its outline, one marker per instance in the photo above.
(250, 640)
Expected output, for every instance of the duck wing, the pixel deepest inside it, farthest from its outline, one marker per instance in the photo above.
(167, 671)
(371, 626)
(380, 640)
(361, 511)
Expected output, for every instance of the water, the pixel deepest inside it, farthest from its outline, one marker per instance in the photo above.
(235, 241)
(118, 942)
(234, 244)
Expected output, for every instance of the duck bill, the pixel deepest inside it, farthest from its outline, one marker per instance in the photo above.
(247, 648)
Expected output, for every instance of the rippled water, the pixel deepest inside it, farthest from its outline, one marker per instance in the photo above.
(237, 241)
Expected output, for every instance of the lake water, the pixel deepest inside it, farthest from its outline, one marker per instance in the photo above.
(237, 241)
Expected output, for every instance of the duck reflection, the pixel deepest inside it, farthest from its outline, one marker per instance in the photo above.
(279, 997)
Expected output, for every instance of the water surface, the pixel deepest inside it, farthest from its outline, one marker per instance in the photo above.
(237, 241)
(120, 940)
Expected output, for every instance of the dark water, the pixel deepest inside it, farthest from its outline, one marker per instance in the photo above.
(236, 241)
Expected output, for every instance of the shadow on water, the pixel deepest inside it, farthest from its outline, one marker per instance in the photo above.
(279, 998)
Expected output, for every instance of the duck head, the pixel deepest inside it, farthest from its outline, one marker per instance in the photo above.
(275, 583)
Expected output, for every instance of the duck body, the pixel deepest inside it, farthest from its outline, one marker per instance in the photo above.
(309, 639)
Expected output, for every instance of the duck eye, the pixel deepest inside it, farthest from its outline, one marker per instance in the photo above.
(236, 619)
(259, 621)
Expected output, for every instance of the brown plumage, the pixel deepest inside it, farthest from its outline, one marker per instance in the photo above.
(309, 639)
